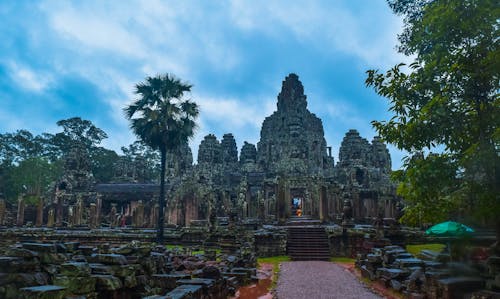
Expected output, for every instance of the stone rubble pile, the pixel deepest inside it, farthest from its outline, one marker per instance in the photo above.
(415, 278)
(134, 270)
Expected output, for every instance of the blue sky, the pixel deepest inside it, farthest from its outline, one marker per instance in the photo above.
(61, 59)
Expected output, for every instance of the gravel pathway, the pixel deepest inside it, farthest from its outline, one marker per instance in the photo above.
(319, 280)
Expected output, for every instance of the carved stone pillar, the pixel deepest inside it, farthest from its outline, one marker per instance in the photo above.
(59, 209)
(92, 215)
(78, 211)
(71, 216)
(99, 208)
(50, 217)
(139, 210)
(20, 210)
(39, 212)
(154, 215)
(113, 219)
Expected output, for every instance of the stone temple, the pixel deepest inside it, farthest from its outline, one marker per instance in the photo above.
(289, 172)
(290, 168)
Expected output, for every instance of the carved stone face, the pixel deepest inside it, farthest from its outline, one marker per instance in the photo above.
(294, 125)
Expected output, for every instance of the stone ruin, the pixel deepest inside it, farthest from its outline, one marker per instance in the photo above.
(290, 162)
(291, 167)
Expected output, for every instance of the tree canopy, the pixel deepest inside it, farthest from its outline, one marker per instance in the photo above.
(446, 108)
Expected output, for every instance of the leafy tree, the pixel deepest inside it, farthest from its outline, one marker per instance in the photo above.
(77, 130)
(31, 176)
(25, 161)
(162, 119)
(103, 161)
(144, 160)
(446, 101)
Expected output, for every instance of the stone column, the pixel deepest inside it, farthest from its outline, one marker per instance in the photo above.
(59, 209)
(92, 215)
(139, 210)
(113, 222)
(39, 212)
(154, 215)
(71, 215)
(78, 211)
(20, 210)
(50, 217)
(99, 208)
(3, 210)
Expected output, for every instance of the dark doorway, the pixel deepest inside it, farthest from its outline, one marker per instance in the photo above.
(297, 201)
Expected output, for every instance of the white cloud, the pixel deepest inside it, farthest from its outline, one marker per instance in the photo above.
(329, 28)
(234, 113)
(27, 78)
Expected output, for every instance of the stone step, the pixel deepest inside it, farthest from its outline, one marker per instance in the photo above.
(308, 243)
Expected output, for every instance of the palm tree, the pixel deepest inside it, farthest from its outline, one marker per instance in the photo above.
(163, 120)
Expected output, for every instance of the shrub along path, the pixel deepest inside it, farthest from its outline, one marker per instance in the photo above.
(319, 280)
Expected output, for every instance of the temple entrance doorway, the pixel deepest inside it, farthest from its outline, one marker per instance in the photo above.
(297, 201)
(296, 206)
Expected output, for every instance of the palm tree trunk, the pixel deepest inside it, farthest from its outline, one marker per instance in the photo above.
(161, 200)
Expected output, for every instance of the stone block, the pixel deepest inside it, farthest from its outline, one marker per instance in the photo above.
(365, 272)
(72, 246)
(185, 292)
(23, 279)
(130, 282)
(389, 273)
(107, 283)
(408, 263)
(52, 258)
(168, 281)
(110, 259)
(123, 271)
(43, 292)
(75, 269)
(87, 250)
(100, 269)
(40, 247)
(396, 285)
(76, 285)
(204, 282)
(454, 287)
(21, 252)
(11, 264)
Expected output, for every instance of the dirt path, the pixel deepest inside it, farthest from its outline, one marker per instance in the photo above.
(319, 280)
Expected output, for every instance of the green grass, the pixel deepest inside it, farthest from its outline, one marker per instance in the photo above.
(342, 260)
(275, 261)
(416, 249)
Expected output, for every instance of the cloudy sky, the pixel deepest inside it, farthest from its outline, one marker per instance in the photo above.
(60, 59)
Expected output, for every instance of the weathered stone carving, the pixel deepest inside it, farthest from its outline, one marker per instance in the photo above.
(290, 166)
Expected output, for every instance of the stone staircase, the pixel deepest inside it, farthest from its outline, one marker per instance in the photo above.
(307, 242)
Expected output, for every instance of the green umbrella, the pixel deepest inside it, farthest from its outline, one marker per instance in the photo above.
(449, 229)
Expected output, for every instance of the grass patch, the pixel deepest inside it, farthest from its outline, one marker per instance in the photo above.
(416, 249)
(275, 261)
(342, 259)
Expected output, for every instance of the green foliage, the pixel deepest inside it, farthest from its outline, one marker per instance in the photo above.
(163, 120)
(32, 176)
(103, 161)
(81, 131)
(29, 164)
(144, 160)
(446, 101)
(160, 117)
(428, 186)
